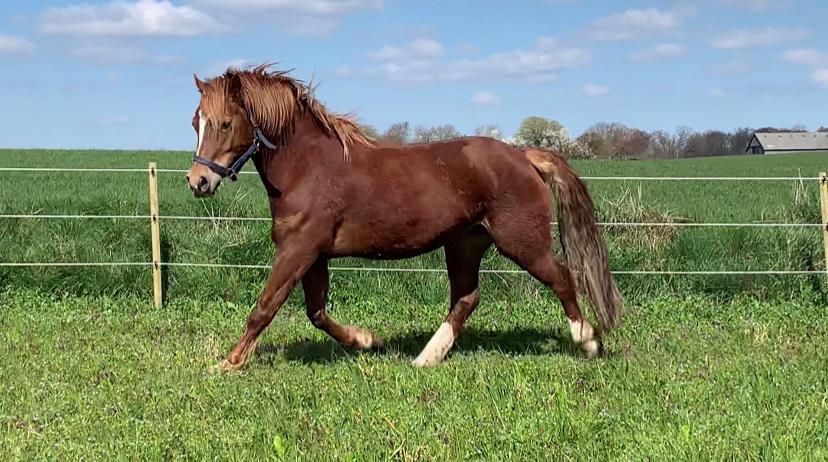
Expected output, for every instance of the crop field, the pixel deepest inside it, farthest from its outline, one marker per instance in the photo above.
(704, 366)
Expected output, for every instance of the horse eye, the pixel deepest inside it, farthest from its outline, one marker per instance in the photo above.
(225, 126)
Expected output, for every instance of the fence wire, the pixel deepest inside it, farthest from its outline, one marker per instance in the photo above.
(396, 270)
(404, 270)
(599, 178)
(268, 219)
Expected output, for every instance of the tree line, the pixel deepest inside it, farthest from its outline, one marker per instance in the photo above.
(604, 140)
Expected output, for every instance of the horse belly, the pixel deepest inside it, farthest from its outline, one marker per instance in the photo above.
(401, 233)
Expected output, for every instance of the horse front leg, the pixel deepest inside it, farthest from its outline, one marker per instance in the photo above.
(289, 267)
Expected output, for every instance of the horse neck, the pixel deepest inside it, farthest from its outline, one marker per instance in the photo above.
(306, 147)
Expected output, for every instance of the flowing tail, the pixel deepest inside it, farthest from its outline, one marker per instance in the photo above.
(586, 253)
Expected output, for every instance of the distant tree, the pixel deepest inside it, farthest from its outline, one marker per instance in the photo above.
(709, 143)
(634, 143)
(544, 133)
(446, 132)
(438, 133)
(683, 135)
(492, 131)
(740, 139)
(667, 145)
(718, 142)
(532, 132)
(423, 134)
(577, 150)
(398, 132)
(795, 129)
(616, 141)
(369, 131)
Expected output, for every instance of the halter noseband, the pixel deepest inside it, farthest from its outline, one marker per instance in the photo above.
(222, 171)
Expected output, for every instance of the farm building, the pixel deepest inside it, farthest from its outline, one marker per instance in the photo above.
(779, 142)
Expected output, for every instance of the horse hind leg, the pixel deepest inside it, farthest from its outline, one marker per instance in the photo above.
(558, 277)
(531, 249)
(463, 264)
(315, 284)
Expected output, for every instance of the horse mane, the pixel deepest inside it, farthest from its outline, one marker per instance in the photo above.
(274, 100)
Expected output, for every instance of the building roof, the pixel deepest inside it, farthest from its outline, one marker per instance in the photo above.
(804, 141)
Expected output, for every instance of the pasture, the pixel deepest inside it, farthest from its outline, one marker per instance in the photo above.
(704, 367)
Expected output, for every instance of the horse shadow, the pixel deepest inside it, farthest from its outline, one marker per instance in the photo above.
(515, 342)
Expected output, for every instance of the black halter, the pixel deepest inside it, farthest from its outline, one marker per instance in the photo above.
(222, 171)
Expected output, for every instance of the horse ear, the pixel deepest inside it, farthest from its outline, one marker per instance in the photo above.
(236, 85)
(199, 84)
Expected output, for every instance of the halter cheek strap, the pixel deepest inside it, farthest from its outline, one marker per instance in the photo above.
(258, 140)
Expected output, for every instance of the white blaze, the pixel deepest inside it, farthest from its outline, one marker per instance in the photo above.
(202, 124)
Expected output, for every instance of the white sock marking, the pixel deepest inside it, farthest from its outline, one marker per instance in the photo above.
(584, 334)
(437, 347)
(581, 331)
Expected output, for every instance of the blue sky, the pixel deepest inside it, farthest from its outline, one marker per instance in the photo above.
(118, 74)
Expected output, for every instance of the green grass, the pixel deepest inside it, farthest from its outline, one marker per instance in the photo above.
(91, 378)
(704, 368)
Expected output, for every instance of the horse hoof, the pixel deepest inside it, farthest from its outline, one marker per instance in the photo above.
(378, 344)
(425, 361)
(224, 366)
(592, 348)
(364, 339)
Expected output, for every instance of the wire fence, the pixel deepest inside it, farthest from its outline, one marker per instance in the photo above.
(598, 178)
(155, 218)
(396, 270)
(268, 219)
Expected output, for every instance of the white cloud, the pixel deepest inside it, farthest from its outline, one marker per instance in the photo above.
(820, 76)
(423, 64)
(812, 58)
(806, 57)
(119, 54)
(127, 18)
(309, 7)
(485, 98)
(757, 5)
(659, 52)
(747, 38)
(13, 45)
(594, 90)
(307, 17)
(417, 49)
(635, 24)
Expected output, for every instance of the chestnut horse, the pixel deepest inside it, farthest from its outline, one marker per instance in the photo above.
(335, 193)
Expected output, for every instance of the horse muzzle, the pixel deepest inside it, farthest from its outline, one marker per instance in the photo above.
(203, 182)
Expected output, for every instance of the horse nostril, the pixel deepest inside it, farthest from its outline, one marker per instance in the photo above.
(202, 183)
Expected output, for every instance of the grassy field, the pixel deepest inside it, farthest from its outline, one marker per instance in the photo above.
(88, 378)
(704, 368)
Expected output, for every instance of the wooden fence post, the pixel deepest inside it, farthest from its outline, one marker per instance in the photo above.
(156, 235)
(823, 203)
